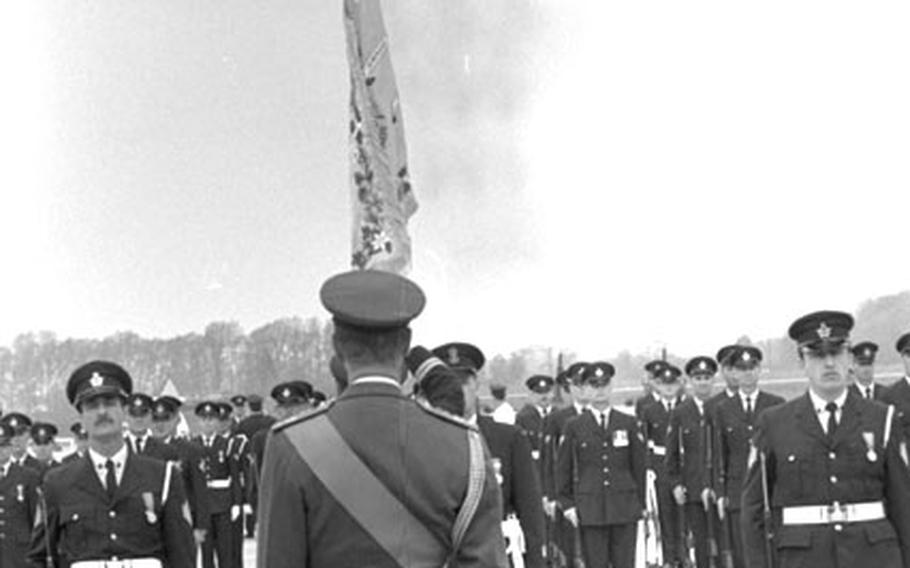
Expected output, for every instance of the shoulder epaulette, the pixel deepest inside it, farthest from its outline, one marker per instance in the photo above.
(443, 415)
(282, 424)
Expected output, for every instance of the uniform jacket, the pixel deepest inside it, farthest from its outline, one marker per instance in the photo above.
(898, 394)
(601, 471)
(220, 467)
(83, 523)
(18, 506)
(642, 403)
(521, 494)
(254, 423)
(687, 440)
(419, 456)
(655, 421)
(805, 468)
(192, 469)
(878, 391)
(733, 430)
(533, 424)
(554, 429)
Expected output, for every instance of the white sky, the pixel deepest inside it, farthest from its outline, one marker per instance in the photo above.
(692, 172)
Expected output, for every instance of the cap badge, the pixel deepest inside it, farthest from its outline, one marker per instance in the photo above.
(702, 365)
(867, 352)
(598, 372)
(746, 356)
(286, 393)
(96, 380)
(823, 331)
(453, 355)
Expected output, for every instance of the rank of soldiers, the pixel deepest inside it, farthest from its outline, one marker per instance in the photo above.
(376, 477)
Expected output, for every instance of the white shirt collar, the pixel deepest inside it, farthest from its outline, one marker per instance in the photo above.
(6, 466)
(699, 404)
(753, 397)
(818, 403)
(598, 414)
(579, 408)
(100, 463)
(377, 379)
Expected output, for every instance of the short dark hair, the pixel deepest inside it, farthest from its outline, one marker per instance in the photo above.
(363, 346)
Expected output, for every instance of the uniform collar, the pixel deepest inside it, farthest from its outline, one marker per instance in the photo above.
(99, 462)
(579, 408)
(818, 403)
(376, 379)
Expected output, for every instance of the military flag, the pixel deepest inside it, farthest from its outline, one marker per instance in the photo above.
(383, 199)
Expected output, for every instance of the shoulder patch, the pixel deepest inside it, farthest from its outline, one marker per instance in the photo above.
(443, 415)
(290, 421)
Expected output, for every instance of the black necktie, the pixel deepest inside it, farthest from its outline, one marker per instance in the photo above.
(603, 420)
(869, 393)
(749, 407)
(831, 407)
(111, 479)
(139, 445)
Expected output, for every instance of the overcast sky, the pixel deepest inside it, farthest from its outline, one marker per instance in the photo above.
(641, 173)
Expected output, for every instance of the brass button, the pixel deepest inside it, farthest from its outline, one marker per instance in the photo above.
(833, 479)
(832, 455)
(111, 514)
(838, 527)
(113, 536)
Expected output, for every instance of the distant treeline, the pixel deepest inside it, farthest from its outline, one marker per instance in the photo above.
(224, 360)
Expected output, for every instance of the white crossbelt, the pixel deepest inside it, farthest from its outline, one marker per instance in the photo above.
(836, 513)
(219, 483)
(124, 563)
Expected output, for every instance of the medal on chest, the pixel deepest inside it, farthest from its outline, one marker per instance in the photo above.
(149, 501)
(220, 456)
(20, 493)
(869, 438)
(620, 439)
(497, 469)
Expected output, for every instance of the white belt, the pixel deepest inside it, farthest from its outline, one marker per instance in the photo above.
(219, 483)
(658, 450)
(836, 513)
(125, 563)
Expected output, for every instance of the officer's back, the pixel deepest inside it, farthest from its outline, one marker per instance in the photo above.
(320, 507)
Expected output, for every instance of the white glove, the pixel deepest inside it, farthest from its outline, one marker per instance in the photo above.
(679, 494)
(235, 512)
(247, 509)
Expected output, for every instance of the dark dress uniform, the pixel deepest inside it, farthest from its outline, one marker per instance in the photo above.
(254, 423)
(601, 472)
(806, 468)
(687, 440)
(238, 452)
(898, 395)
(565, 533)
(521, 493)
(655, 423)
(84, 523)
(221, 495)
(190, 459)
(18, 507)
(531, 420)
(419, 455)
(877, 391)
(734, 429)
